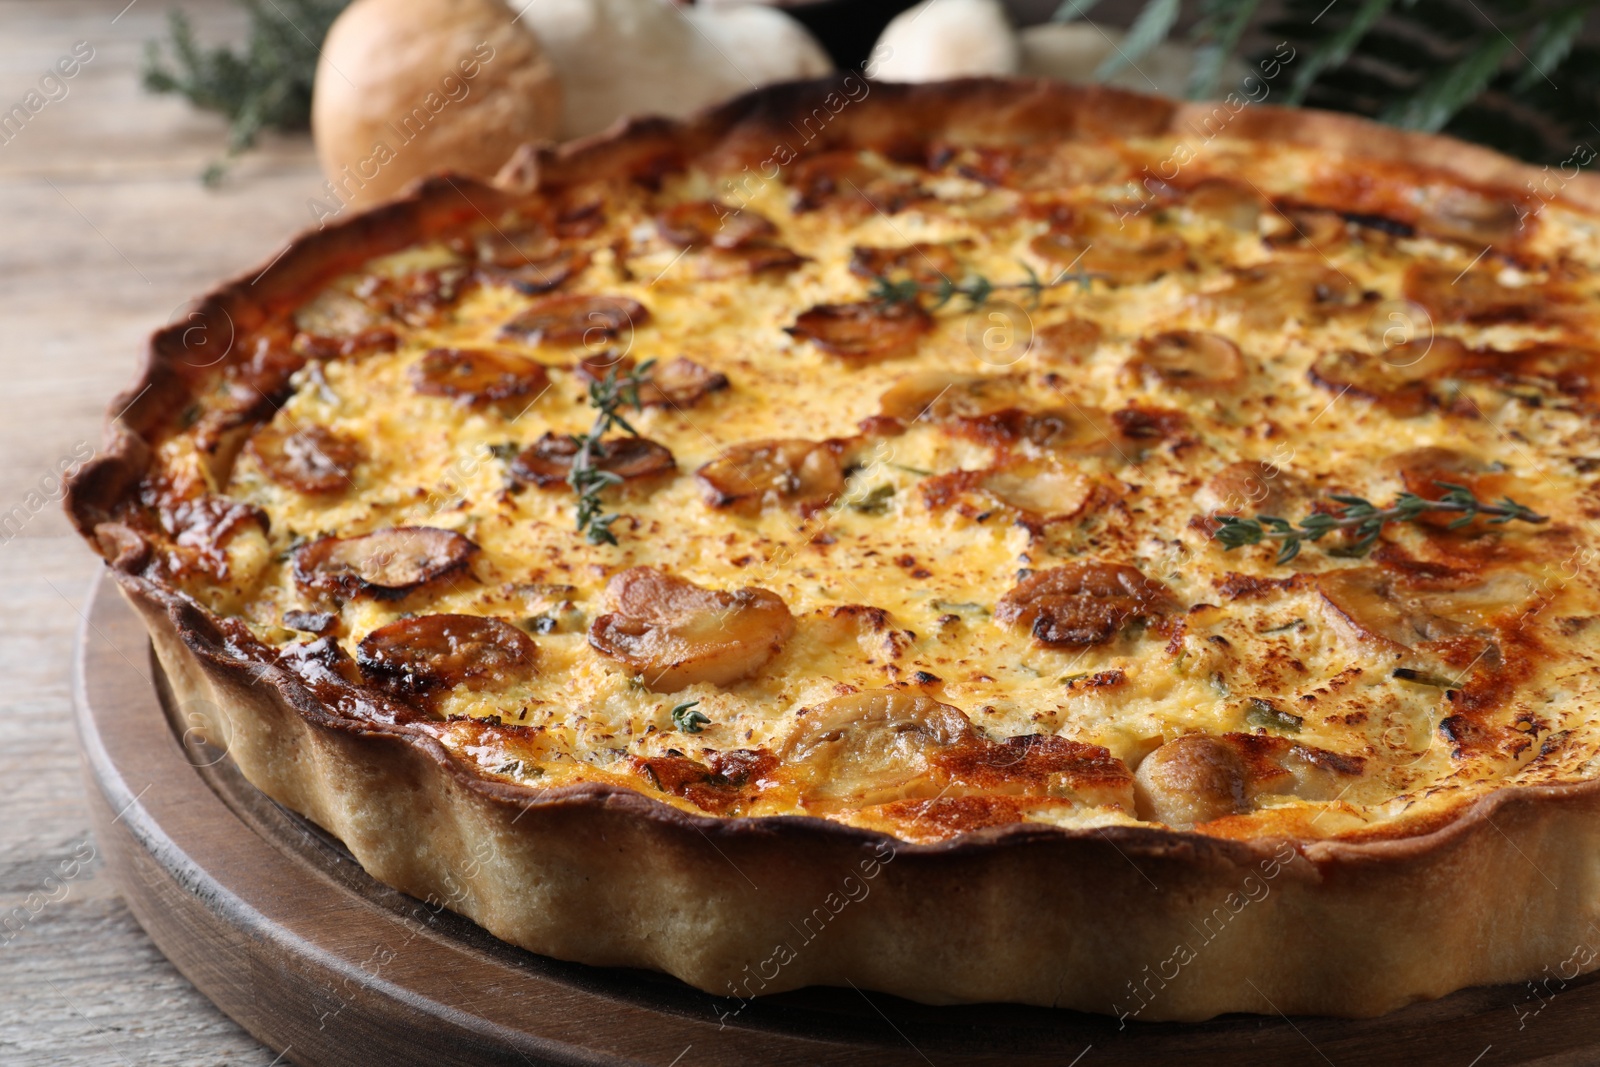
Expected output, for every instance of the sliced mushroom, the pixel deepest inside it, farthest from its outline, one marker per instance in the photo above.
(1476, 297)
(1463, 214)
(926, 263)
(1227, 203)
(636, 460)
(1401, 379)
(477, 376)
(385, 564)
(535, 276)
(863, 331)
(513, 246)
(1190, 359)
(1192, 779)
(1422, 470)
(873, 747)
(1256, 487)
(426, 653)
(709, 224)
(1198, 778)
(994, 409)
(420, 297)
(1049, 166)
(803, 475)
(678, 383)
(1083, 603)
(576, 318)
(1069, 342)
(1374, 604)
(845, 179)
(674, 633)
(1264, 297)
(1306, 230)
(718, 264)
(1031, 491)
(1117, 261)
(309, 459)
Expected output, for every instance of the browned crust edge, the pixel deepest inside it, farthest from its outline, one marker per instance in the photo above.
(1099, 942)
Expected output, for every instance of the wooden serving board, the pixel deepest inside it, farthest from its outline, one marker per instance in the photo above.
(274, 921)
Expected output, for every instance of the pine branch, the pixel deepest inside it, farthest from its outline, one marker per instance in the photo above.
(1366, 521)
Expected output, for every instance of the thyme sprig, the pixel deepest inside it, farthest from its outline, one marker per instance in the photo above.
(685, 718)
(607, 396)
(974, 288)
(1366, 520)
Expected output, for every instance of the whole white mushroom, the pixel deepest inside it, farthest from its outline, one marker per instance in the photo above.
(941, 39)
(648, 57)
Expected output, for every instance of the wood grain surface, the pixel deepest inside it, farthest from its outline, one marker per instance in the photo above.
(104, 233)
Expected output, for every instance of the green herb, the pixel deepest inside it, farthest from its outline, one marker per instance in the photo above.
(1365, 520)
(268, 85)
(961, 606)
(1407, 674)
(1292, 624)
(1068, 679)
(1520, 75)
(975, 289)
(606, 396)
(685, 718)
(876, 500)
(1268, 716)
(541, 624)
(505, 452)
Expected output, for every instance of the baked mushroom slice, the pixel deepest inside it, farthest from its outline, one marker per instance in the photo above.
(1267, 295)
(1250, 486)
(845, 179)
(386, 564)
(873, 747)
(1232, 204)
(638, 461)
(1309, 230)
(425, 654)
(995, 409)
(1030, 492)
(1376, 605)
(1082, 604)
(926, 263)
(1401, 379)
(1199, 778)
(679, 383)
(789, 473)
(1117, 260)
(1196, 360)
(534, 276)
(673, 633)
(1069, 342)
(1475, 296)
(477, 376)
(864, 331)
(575, 318)
(308, 459)
(710, 224)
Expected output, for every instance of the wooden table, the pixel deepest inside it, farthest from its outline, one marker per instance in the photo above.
(105, 233)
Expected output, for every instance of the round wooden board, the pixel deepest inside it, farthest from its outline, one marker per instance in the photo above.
(274, 921)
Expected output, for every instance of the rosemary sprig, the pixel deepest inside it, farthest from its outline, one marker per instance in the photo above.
(1366, 520)
(685, 718)
(606, 396)
(975, 289)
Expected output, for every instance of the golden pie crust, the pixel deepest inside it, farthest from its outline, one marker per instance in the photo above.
(1209, 783)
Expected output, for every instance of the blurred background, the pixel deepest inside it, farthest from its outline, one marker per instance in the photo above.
(147, 151)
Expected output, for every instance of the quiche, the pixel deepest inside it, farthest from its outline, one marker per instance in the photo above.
(984, 541)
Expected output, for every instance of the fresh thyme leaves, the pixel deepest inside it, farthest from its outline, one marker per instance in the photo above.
(875, 501)
(607, 396)
(1366, 520)
(685, 718)
(1268, 716)
(1416, 677)
(975, 289)
(506, 451)
(268, 84)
